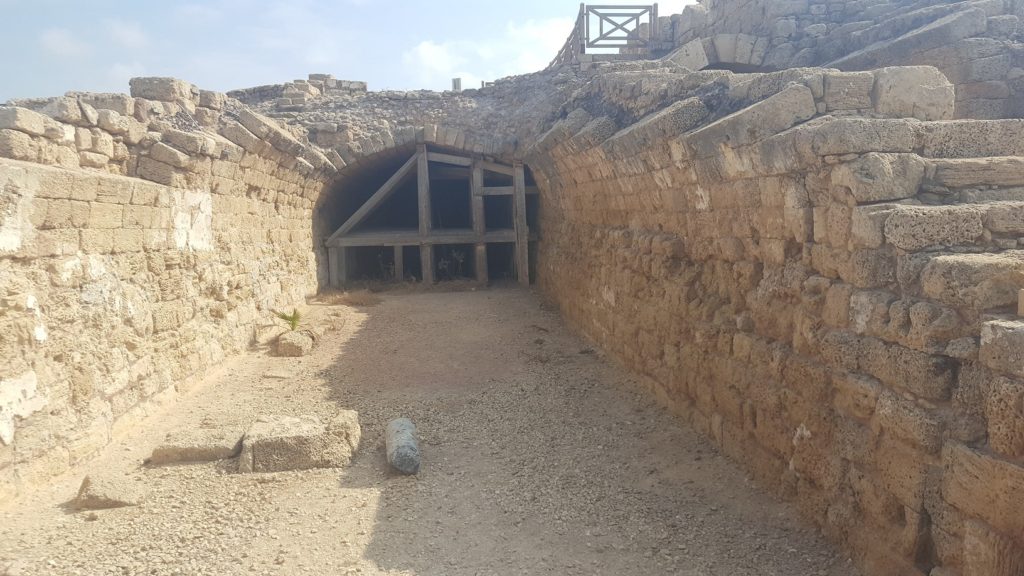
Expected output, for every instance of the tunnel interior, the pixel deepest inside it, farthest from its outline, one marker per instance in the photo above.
(451, 215)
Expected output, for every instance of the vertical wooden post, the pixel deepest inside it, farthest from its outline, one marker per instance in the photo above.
(399, 263)
(427, 263)
(337, 266)
(522, 231)
(423, 189)
(479, 220)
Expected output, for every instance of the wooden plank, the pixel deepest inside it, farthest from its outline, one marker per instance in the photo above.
(378, 198)
(413, 238)
(498, 168)
(481, 263)
(449, 159)
(337, 266)
(522, 231)
(423, 189)
(427, 263)
(506, 190)
(399, 263)
(476, 186)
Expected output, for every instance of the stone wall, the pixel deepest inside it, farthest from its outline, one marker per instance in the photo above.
(831, 299)
(976, 44)
(817, 269)
(116, 291)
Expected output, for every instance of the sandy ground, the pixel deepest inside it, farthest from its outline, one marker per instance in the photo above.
(540, 457)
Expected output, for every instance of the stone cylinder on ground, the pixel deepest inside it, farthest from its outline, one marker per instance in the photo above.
(403, 450)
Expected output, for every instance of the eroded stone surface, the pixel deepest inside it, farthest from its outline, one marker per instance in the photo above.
(281, 443)
(198, 445)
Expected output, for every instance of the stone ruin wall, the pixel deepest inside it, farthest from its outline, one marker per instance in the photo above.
(817, 269)
(976, 44)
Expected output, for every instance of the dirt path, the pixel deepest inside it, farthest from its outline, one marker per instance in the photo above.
(540, 457)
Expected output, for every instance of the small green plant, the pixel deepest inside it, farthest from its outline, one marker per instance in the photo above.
(292, 319)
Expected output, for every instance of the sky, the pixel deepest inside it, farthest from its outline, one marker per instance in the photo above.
(52, 46)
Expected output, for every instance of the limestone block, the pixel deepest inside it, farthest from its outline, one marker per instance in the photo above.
(975, 281)
(163, 153)
(17, 145)
(294, 344)
(103, 215)
(101, 492)
(779, 112)
(849, 90)
(89, 115)
(281, 443)
(212, 100)
(113, 122)
(1002, 346)
(1005, 218)
(856, 395)
(690, 55)
(867, 225)
(985, 551)
(984, 487)
(163, 89)
(1004, 413)
(23, 120)
(920, 92)
(904, 419)
(197, 445)
(915, 227)
(974, 172)
(65, 110)
(876, 177)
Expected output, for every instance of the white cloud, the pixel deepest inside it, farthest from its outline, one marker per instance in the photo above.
(125, 33)
(61, 42)
(523, 47)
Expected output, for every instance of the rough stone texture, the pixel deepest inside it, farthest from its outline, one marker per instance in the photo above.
(199, 445)
(281, 443)
(813, 268)
(104, 492)
(294, 344)
(403, 450)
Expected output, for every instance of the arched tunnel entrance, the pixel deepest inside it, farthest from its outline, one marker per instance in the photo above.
(427, 213)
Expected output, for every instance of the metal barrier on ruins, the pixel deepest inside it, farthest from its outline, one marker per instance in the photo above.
(609, 26)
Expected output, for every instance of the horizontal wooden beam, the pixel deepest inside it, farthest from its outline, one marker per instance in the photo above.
(505, 190)
(413, 238)
(498, 168)
(377, 199)
(449, 159)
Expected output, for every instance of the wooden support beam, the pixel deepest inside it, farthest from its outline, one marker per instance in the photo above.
(337, 266)
(506, 190)
(476, 186)
(521, 228)
(427, 263)
(413, 238)
(377, 199)
(481, 263)
(423, 189)
(498, 168)
(449, 159)
(399, 263)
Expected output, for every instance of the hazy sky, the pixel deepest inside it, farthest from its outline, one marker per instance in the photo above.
(52, 46)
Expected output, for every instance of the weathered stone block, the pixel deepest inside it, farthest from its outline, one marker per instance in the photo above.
(912, 228)
(849, 90)
(984, 487)
(103, 215)
(920, 92)
(690, 55)
(294, 344)
(1002, 346)
(163, 89)
(23, 120)
(877, 177)
(974, 281)
(281, 443)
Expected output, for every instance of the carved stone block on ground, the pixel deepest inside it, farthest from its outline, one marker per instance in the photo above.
(281, 443)
(294, 344)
